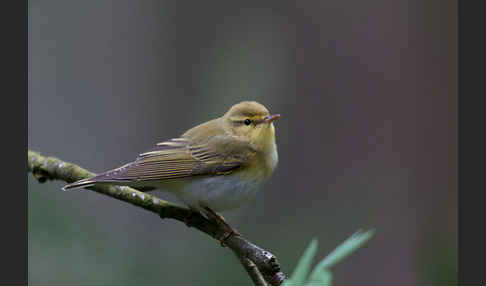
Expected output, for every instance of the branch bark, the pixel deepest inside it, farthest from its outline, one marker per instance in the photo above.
(260, 264)
(253, 271)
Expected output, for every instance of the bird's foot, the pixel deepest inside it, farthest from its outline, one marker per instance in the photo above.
(230, 231)
(227, 235)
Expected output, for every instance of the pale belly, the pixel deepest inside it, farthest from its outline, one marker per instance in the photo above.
(219, 193)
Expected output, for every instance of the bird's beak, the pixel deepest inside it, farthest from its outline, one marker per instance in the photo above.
(271, 118)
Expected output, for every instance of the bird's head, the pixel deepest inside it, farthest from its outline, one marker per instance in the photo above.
(253, 122)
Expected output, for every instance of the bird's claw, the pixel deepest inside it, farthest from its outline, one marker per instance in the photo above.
(227, 235)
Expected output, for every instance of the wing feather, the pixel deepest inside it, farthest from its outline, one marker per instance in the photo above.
(178, 158)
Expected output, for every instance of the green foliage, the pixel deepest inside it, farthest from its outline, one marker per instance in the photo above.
(321, 275)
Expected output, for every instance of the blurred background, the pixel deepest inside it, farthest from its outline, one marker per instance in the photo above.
(367, 137)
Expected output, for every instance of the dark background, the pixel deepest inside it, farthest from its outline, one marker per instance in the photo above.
(367, 137)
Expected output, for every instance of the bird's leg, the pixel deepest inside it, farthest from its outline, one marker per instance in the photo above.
(220, 220)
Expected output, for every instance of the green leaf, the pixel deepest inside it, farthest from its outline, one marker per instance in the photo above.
(343, 250)
(321, 275)
(322, 278)
(303, 266)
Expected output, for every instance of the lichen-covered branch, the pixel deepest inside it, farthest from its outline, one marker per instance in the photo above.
(257, 261)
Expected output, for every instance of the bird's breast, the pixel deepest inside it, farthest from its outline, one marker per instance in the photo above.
(269, 160)
(219, 193)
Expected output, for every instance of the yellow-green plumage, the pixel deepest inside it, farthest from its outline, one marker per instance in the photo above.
(218, 164)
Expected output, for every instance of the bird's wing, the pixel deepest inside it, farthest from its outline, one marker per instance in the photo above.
(178, 158)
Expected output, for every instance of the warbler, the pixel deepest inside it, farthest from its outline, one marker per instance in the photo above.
(212, 167)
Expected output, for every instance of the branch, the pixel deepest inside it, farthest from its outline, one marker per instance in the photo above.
(253, 271)
(257, 261)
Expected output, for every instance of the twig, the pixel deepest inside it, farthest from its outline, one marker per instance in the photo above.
(263, 263)
(252, 270)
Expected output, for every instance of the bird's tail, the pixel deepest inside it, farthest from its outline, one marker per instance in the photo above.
(79, 184)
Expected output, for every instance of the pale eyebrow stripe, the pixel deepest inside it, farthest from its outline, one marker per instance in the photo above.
(256, 118)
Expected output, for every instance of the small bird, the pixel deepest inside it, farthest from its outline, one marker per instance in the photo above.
(213, 167)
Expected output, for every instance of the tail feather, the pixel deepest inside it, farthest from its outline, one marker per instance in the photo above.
(110, 177)
(79, 184)
(98, 179)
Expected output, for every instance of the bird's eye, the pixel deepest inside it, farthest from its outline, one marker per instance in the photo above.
(247, 121)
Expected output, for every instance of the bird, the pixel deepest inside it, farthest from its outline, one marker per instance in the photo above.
(213, 167)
